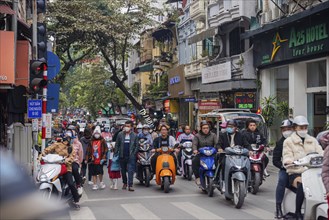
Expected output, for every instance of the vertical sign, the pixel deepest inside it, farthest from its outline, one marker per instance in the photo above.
(48, 125)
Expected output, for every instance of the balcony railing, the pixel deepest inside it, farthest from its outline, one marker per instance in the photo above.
(193, 69)
(197, 9)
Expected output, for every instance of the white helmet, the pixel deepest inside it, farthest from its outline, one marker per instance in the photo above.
(300, 120)
(146, 126)
(139, 126)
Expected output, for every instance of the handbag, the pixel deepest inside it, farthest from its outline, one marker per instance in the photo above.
(115, 165)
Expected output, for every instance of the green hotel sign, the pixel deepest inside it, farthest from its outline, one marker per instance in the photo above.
(294, 41)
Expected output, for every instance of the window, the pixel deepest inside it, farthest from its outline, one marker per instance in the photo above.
(316, 74)
(207, 46)
(236, 45)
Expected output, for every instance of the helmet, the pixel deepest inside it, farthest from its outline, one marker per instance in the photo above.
(139, 126)
(323, 138)
(286, 123)
(232, 122)
(300, 120)
(203, 122)
(146, 126)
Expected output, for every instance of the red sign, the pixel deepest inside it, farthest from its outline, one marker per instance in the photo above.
(167, 105)
(209, 105)
(99, 112)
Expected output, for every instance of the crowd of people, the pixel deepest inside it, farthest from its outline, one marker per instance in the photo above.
(90, 152)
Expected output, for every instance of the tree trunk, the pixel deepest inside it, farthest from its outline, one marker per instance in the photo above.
(137, 105)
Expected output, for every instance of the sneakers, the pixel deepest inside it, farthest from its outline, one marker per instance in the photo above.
(179, 172)
(124, 187)
(90, 183)
(80, 190)
(266, 174)
(115, 184)
(223, 187)
(75, 206)
(95, 187)
(102, 185)
(197, 181)
(111, 183)
(131, 189)
(83, 180)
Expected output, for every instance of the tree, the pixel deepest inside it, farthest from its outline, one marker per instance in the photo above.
(107, 25)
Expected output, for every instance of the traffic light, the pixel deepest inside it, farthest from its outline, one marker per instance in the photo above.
(42, 41)
(37, 82)
(41, 6)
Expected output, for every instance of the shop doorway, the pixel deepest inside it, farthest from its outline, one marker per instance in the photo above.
(317, 112)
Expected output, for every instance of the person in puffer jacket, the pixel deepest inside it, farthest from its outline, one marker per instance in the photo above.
(295, 147)
(323, 139)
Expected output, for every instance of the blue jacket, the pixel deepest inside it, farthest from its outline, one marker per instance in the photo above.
(120, 141)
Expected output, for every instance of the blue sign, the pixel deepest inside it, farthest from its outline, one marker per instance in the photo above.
(53, 97)
(190, 100)
(54, 65)
(34, 108)
(174, 80)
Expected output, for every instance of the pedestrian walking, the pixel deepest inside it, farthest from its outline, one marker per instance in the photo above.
(126, 146)
(113, 168)
(96, 155)
(85, 141)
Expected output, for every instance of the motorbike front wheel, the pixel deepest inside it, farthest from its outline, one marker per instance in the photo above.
(239, 193)
(189, 172)
(210, 187)
(166, 184)
(46, 193)
(256, 183)
(147, 177)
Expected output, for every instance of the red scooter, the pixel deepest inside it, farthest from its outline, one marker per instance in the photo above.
(257, 167)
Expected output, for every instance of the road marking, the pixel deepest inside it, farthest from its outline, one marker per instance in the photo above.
(195, 211)
(142, 197)
(138, 211)
(260, 213)
(83, 213)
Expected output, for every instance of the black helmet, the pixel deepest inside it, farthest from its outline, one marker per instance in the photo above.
(232, 122)
(286, 123)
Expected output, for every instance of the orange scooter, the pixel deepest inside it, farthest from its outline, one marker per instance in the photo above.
(165, 168)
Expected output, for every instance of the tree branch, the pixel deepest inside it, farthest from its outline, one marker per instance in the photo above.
(108, 60)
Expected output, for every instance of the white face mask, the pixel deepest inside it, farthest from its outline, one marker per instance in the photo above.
(126, 129)
(302, 133)
(145, 132)
(286, 133)
(97, 136)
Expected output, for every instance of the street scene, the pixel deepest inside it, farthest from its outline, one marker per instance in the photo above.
(164, 109)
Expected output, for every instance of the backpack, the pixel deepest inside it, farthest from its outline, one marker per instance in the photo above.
(115, 165)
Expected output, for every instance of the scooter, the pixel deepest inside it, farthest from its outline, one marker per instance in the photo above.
(144, 156)
(257, 168)
(50, 178)
(236, 176)
(165, 168)
(186, 160)
(315, 204)
(207, 169)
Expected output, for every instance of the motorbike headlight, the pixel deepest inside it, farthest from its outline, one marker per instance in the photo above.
(43, 178)
(316, 161)
(47, 174)
(208, 152)
(164, 149)
(204, 165)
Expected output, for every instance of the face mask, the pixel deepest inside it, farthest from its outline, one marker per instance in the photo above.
(68, 134)
(286, 134)
(126, 129)
(180, 130)
(229, 130)
(139, 130)
(97, 136)
(302, 133)
(145, 132)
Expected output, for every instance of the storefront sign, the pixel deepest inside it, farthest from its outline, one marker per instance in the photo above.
(7, 75)
(209, 105)
(310, 36)
(216, 73)
(245, 100)
(190, 100)
(174, 80)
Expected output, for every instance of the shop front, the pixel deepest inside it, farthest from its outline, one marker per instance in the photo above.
(292, 56)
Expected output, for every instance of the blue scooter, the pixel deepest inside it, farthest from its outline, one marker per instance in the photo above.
(207, 169)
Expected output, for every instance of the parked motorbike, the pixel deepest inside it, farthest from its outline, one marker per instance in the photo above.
(236, 175)
(257, 166)
(144, 156)
(207, 169)
(186, 160)
(50, 178)
(165, 168)
(315, 204)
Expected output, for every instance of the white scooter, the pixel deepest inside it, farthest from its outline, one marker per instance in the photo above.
(50, 180)
(186, 160)
(315, 204)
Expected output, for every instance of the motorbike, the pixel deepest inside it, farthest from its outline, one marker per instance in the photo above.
(186, 160)
(144, 156)
(207, 169)
(50, 178)
(165, 168)
(315, 204)
(257, 168)
(236, 175)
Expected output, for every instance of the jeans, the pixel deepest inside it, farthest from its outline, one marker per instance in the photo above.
(283, 182)
(76, 174)
(69, 180)
(128, 165)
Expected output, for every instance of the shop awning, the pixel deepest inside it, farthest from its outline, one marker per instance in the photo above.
(172, 1)
(203, 35)
(162, 34)
(228, 86)
(5, 9)
(148, 67)
(284, 21)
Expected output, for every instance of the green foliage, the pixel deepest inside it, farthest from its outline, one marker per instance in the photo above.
(157, 90)
(283, 109)
(136, 90)
(268, 109)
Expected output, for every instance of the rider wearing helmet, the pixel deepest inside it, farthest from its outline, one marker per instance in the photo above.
(204, 138)
(286, 131)
(184, 137)
(145, 134)
(295, 147)
(139, 128)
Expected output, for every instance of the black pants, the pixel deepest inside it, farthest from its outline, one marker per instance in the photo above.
(196, 165)
(154, 160)
(76, 174)
(69, 180)
(84, 170)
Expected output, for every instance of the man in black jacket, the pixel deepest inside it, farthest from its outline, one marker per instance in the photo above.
(286, 130)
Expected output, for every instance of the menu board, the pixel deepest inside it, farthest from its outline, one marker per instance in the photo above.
(245, 100)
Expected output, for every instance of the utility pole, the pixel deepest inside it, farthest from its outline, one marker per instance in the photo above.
(34, 30)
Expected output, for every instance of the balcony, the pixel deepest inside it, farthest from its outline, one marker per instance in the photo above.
(193, 69)
(197, 10)
(146, 55)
